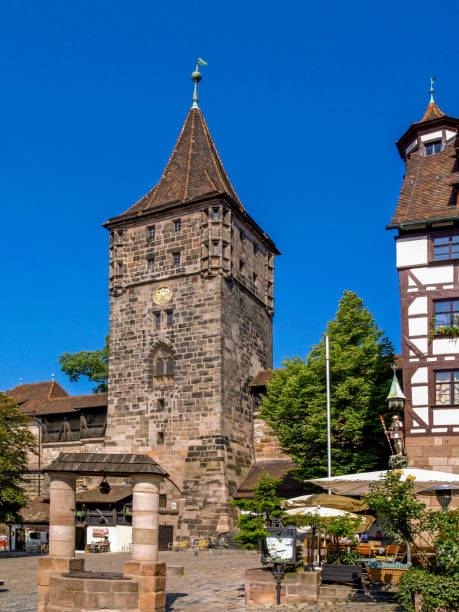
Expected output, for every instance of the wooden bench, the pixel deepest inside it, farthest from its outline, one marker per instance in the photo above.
(342, 573)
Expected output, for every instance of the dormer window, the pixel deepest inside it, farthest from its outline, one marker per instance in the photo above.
(434, 147)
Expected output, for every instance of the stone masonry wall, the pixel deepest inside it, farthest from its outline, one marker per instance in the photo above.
(439, 453)
(197, 423)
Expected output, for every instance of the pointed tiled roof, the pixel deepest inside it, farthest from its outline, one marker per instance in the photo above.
(432, 112)
(194, 170)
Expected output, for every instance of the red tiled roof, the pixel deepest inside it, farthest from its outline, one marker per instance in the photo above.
(432, 112)
(278, 469)
(50, 398)
(427, 191)
(194, 170)
(92, 496)
(67, 404)
(37, 391)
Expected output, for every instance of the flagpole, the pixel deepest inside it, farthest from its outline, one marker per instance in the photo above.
(327, 369)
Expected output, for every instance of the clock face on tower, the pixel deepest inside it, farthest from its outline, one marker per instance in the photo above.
(162, 295)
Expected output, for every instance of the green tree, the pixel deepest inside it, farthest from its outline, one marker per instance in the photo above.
(16, 443)
(295, 400)
(92, 364)
(259, 511)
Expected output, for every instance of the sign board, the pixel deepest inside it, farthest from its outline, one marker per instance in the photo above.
(279, 546)
(100, 532)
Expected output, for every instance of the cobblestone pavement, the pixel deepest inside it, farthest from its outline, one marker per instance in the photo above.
(211, 582)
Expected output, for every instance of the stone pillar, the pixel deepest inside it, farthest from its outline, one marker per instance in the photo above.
(62, 515)
(144, 567)
(145, 517)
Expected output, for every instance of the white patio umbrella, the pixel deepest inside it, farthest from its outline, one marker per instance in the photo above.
(348, 504)
(358, 484)
(329, 513)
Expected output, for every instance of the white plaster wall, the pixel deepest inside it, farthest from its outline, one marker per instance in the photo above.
(411, 251)
(445, 346)
(423, 413)
(432, 136)
(418, 306)
(449, 134)
(446, 417)
(421, 344)
(417, 326)
(124, 536)
(434, 275)
(419, 396)
(420, 376)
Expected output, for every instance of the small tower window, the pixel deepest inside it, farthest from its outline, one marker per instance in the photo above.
(159, 367)
(151, 264)
(162, 500)
(120, 236)
(157, 320)
(176, 258)
(161, 404)
(215, 213)
(433, 147)
(215, 248)
(241, 235)
(241, 266)
(151, 232)
(254, 278)
(170, 318)
(170, 367)
(120, 269)
(160, 437)
(177, 226)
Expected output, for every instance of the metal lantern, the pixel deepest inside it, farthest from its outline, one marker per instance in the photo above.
(444, 493)
(104, 487)
(396, 398)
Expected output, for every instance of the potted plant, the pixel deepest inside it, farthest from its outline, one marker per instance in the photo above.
(80, 515)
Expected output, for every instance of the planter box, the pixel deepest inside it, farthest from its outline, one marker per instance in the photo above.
(386, 574)
(296, 587)
(342, 573)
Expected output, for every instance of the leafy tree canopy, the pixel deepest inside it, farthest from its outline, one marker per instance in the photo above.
(16, 442)
(92, 364)
(295, 400)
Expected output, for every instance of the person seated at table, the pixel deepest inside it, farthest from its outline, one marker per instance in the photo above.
(363, 539)
(378, 535)
(344, 540)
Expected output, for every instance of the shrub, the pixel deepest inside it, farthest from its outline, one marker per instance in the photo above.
(437, 591)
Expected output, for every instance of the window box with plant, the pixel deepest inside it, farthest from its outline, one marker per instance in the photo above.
(80, 515)
(445, 321)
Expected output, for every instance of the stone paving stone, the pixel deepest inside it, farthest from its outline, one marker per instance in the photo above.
(210, 583)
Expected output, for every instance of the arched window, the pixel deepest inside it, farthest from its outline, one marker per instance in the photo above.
(159, 367)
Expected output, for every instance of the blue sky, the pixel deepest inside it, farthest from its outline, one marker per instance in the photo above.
(304, 101)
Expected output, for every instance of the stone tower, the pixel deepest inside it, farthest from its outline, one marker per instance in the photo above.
(427, 244)
(191, 307)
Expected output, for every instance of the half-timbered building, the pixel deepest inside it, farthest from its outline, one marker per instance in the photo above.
(427, 247)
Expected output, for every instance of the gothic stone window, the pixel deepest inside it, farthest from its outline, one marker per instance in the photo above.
(447, 387)
(177, 226)
(176, 258)
(162, 366)
(446, 247)
(446, 313)
(151, 232)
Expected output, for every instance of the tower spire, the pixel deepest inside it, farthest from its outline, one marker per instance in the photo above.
(196, 76)
(432, 90)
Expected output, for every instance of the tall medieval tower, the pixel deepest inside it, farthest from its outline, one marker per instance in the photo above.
(427, 220)
(191, 307)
